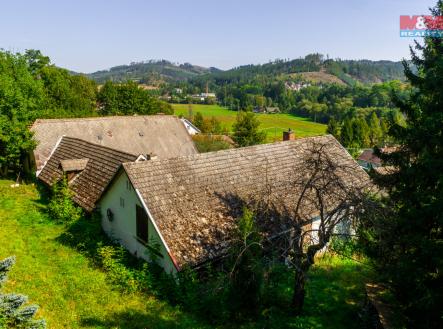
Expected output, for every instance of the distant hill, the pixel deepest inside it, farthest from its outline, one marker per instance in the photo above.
(151, 72)
(347, 71)
(313, 67)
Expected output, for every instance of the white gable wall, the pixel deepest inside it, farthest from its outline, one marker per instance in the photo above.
(123, 226)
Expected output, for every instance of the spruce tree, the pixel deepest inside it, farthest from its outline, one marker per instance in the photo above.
(361, 132)
(333, 128)
(246, 131)
(347, 133)
(407, 243)
(13, 313)
(375, 131)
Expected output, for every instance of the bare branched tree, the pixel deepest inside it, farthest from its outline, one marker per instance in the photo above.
(324, 190)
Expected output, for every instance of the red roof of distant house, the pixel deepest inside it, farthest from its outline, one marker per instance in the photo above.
(370, 157)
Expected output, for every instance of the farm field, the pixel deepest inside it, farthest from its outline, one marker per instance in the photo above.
(273, 124)
(73, 293)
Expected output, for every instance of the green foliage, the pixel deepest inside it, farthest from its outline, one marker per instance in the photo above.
(13, 312)
(21, 99)
(247, 273)
(129, 99)
(198, 120)
(207, 126)
(208, 143)
(333, 128)
(406, 243)
(375, 130)
(31, 88)
(111, 260)
(15, 144)
(68, 95)
(347, 133)
(150, 72)
(61, 207)
(360, 132)
(246, 130)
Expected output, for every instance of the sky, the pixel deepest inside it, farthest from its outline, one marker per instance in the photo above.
(90, 35)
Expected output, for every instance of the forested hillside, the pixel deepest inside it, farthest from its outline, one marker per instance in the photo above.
(150, 72)
(348, 71)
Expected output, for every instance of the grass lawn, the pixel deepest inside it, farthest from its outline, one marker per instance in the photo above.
(273, 124)
(72, 293)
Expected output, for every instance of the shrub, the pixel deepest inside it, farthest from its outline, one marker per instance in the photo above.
(247, 270)
(111, 259)
(208, 143)
(61, 207)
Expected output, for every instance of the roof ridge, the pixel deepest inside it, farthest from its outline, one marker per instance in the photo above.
(105, 118)
(238, 151)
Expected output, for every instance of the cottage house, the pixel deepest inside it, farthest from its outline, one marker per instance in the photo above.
(185, 208)
(88, 168)
(163, 135)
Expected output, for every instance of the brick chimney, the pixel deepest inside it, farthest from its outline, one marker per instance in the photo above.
(288, 135)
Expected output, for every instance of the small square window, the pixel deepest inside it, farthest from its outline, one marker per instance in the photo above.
(122, 202)
(128, 185)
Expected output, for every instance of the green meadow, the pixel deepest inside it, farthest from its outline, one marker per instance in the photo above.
(273, 124)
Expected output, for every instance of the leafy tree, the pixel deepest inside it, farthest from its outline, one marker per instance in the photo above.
(198, 120)
(13, 313)
(36, 61)
(246, 131)
(22, 98)
(407, 242)
(15, 144)
(68, 95)
(129, 99)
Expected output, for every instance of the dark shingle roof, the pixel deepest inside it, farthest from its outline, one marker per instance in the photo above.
(164, 135)
(101, 165)
(195, 200)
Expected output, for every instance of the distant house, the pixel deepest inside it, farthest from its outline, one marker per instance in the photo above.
(296, 86)
(266, 109)
(368, 160)
(88, 168)
(192, 129)
(185, 208)
(272, 109)
(163, 135)
(259, 109)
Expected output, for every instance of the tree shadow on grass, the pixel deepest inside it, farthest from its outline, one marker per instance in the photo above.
(135, 320)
